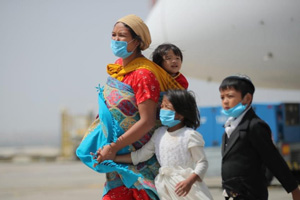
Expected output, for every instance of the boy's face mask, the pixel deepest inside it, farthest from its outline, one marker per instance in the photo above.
(235, 111)
(167, 118)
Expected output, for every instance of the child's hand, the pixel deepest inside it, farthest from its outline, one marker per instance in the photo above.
(296, 194)
(183, 188)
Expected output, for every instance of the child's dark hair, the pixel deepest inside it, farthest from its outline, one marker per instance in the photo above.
(241, 83)
(163, 49)
(185, 104)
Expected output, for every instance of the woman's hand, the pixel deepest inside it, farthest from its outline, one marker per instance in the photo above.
(106, 153)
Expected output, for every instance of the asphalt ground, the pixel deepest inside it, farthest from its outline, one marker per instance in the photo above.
(72, 180)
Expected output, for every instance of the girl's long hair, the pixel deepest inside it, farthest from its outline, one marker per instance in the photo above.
(184, 103)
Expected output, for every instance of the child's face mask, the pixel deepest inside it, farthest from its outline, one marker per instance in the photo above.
(167, 118)
(235, 111)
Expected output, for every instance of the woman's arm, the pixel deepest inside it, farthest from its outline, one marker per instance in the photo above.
(147, 111)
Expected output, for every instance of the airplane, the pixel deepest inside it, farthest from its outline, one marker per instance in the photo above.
(259, 38)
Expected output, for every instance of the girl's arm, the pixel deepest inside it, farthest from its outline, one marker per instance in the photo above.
(200, 160)
(141, 155)
(147, 110)
(196, 148)
(126, 158)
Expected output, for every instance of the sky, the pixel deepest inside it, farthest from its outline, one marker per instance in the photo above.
(52, 56)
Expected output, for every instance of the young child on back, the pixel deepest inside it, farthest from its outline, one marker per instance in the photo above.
(247, 146)
(169, 57)
(179, 149)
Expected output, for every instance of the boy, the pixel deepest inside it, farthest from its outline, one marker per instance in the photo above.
(247, 147)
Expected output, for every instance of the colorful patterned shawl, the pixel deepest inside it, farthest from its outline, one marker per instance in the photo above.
(116, 115)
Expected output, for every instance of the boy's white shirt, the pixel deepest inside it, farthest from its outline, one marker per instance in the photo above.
(232, 123)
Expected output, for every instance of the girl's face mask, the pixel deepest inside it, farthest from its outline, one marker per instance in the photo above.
(167, 118)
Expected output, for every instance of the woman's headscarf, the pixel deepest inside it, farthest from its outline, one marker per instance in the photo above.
(139, 27)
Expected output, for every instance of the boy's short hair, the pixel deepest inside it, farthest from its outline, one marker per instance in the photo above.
(239, 82)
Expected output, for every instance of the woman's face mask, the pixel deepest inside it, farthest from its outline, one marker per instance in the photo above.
(119, 48)
(167, 118)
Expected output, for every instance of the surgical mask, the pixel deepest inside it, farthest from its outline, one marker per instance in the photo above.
(167, 118)
(235, 111)
(119, 48)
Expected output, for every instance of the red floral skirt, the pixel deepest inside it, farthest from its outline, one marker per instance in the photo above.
(123, 193)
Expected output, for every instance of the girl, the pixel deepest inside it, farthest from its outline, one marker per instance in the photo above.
(179, 149)
(169, 57)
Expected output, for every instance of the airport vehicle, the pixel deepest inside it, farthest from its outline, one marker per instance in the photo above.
(283, 119)
(259, 38)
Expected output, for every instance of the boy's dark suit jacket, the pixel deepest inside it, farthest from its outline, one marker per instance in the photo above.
(248, 151)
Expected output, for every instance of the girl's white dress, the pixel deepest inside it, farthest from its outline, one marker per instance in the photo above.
(179, 153)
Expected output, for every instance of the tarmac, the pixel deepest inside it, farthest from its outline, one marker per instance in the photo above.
(72, 180)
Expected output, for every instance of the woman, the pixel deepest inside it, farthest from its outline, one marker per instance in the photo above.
(127, 114)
